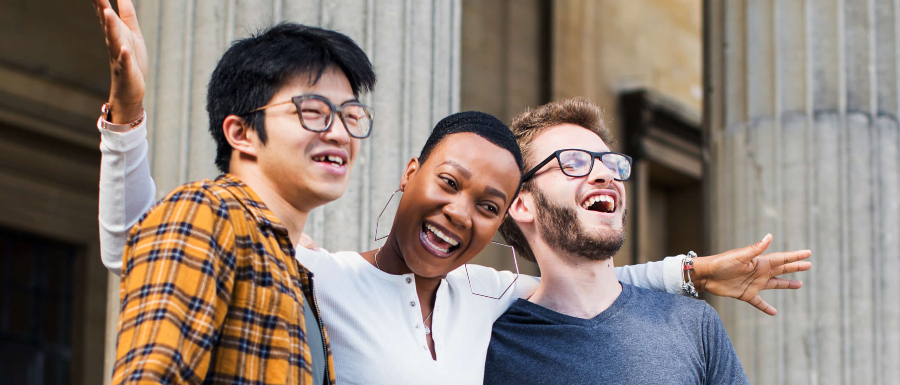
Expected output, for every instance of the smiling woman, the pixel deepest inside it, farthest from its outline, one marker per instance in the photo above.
(455, 196)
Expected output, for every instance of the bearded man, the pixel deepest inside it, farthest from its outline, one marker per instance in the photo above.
(582, 326)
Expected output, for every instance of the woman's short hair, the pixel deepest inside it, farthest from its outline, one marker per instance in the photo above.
(479, 123)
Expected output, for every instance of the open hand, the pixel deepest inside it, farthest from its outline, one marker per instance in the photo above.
(743, 273)
(127, 60)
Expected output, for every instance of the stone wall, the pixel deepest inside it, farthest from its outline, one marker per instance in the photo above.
(802, 121)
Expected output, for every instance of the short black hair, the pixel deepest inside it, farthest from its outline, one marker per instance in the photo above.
(255, 68)
(479, 123)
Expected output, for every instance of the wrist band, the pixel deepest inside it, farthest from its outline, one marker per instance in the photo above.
(106, 124)
(687, 264)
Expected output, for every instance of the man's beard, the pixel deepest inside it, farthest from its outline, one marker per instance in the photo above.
(562, 231)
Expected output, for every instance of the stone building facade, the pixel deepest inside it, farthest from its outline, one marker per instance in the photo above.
(744, 117)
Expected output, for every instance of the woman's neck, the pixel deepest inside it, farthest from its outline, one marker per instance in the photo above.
(390, 260)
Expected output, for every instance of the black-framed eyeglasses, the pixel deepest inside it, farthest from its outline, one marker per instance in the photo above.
(317, 114)
(578, 163)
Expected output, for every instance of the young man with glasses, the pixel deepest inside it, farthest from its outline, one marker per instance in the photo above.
(582, 325)
(210, 288)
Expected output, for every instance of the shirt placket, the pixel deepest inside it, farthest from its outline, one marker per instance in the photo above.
(438, 319)
(414, 311)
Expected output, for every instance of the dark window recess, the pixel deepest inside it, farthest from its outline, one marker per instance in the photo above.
(35, 309)
(665, 201)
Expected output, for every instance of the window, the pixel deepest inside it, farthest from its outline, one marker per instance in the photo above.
(36, 297)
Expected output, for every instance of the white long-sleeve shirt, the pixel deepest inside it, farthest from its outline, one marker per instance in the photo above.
(373, 318)
(127, 190)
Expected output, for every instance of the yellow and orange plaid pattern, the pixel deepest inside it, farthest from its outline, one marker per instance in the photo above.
(211, 293)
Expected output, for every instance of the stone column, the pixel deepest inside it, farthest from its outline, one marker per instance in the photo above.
(802, 137)
(414, 45)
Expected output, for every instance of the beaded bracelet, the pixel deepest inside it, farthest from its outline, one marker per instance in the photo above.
(687, 264)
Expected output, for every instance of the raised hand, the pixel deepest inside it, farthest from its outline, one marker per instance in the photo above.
(743, 273)
(127, 60)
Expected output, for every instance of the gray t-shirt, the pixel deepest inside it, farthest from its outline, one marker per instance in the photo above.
(645, 337)
(314, 341)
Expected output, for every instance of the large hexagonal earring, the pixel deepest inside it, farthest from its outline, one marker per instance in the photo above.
(382, 213)
(515, 263)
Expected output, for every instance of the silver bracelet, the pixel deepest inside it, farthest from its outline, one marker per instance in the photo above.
(687, 264)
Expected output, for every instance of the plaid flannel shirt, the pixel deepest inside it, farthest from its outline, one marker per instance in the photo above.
(211, 293)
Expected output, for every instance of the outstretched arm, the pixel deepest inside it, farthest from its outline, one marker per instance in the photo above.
(739, 273)
(126, 187)
(662, 275)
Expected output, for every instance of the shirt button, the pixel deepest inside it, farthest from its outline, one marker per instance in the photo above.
(408, 280)
(412, 303)
(417, 326)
